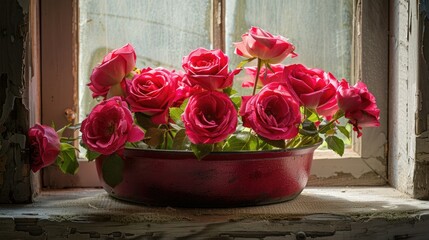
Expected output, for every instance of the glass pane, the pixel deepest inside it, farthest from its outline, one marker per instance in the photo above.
(162, 32)
(320, 30)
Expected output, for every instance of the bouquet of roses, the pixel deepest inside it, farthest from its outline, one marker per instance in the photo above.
(198, 110)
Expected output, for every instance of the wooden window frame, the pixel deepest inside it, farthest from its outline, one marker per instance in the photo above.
(364, 164)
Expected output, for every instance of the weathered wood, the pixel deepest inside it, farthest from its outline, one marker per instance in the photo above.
(59, 68)
(421, 174)
(32, 94)
(218, 32)
(14, 167)
(409, 99)
(342, 213)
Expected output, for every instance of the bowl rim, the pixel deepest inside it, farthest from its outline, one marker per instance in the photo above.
(303, 148)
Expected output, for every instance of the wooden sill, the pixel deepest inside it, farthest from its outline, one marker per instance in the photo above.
(334, 212)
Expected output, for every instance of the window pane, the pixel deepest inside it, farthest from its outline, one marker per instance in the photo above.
(162, 32)
(320, 30)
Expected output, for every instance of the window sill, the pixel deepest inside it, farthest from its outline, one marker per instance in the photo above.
(339, 212)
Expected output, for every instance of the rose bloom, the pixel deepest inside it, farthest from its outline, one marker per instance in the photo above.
(44, 145)
(315, 88)
(273, 113)
(109, 126)
(264, 78)
(112, 70)
(208, 69)
(258, 43)
(209, 117)
(184, 90)
(152, 92)
(359, 105)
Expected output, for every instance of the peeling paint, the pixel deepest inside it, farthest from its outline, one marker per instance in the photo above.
(14, 169)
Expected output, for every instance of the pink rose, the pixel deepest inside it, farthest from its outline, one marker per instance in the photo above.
(112, 70)
(258, 43)
(315, 88)
(264, 78)
(44, 145)
(358, 105)
(184, 91)
(152, 92)
(209, 117)
(109, 126)
(273, 113)
(208, 69)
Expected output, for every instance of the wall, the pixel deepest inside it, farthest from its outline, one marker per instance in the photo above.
(14, 121)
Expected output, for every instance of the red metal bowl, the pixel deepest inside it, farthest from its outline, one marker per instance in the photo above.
(222, 179)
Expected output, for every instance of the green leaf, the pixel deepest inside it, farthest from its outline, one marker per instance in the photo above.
(311, 115)
(176, 127)
(236, 99)
(275, 143)
(181, 141)
(324, 129)
(308, 128)
(229, 91)
(154, 137)
(139, 144)
(184, 104)
(74, 127)
(202, 150)
(176, 114)
(241, 141)
(61, 131)
(91, 155)
(336, 144)
(344, 131)
(338, 114)
(144, 121)
(112, 169)
(244, 62)
(66, 160)
(265, 146)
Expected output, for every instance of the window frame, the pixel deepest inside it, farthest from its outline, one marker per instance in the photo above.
(365, 163)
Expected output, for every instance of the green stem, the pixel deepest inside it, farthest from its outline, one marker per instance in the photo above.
(257, 142)
(69, 139)
(258, 70)
(166, 136)
(338, 116)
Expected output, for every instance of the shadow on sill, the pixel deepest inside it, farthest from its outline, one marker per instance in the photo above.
(353, 202)
(328, 213)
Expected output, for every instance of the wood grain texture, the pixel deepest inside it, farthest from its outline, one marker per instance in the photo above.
(58, 80)
(327, 213)
(32, 96)
(421, 174)
(408, 135)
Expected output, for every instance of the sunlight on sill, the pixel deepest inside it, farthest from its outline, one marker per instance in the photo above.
(328, 154)
(355, 202)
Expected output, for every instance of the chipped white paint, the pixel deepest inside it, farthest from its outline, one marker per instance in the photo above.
(403, 97)
(327, 164)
